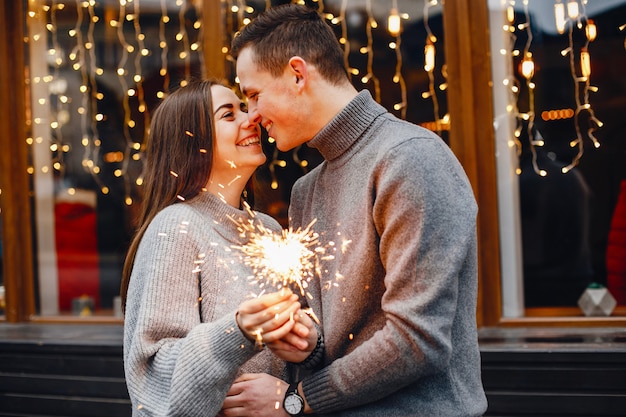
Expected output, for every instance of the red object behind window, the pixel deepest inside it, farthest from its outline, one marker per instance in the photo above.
(616, 250)
(77, 253)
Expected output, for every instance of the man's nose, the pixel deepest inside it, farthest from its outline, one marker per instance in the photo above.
(253, 115)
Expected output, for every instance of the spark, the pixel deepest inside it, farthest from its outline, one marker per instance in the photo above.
(234, 179)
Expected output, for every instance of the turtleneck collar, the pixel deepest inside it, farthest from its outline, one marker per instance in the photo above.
(207, 201)
(347, 127)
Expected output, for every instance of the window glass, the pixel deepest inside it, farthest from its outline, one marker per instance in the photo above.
(95, 72)
(559, 105)
(97, 69)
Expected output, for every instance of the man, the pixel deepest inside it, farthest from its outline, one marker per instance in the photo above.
(400, 325)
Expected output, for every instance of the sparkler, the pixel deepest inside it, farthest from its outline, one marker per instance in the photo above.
(282, 259)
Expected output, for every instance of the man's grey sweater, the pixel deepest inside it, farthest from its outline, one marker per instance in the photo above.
(400, 324)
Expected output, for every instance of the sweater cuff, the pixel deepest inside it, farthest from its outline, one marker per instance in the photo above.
(316, 390)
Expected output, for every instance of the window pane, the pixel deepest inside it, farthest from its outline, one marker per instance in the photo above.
(559, 102)
(96, 70)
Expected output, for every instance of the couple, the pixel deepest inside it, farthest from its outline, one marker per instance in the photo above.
(397, 336)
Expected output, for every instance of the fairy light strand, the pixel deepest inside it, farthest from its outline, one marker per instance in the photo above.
(370, 76)
(183, 36)
(94, 144)
(583, 106)
(398, 78)
(430, 53)
(129, 123)
(528, 72)
(344, 36)
(164, 46)
(57, 145)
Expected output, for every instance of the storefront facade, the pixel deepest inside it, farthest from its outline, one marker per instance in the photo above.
(487, 75)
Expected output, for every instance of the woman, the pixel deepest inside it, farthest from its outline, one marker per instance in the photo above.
(183, 289)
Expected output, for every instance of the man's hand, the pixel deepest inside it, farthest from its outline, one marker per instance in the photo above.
(254, 395)
(297, 345)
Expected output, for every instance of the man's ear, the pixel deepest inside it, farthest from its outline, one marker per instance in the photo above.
(298, 68)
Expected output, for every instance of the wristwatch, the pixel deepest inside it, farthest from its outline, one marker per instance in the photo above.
(293, 403)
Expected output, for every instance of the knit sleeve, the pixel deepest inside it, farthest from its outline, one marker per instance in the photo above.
(175, 365)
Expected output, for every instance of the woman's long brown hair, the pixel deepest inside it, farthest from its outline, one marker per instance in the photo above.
(179, 156)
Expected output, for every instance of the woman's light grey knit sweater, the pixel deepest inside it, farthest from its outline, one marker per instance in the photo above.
(400, 326)
(175, 364)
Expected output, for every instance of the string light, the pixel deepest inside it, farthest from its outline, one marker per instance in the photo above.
(577, 17)
(559, 15)
(371, 24)
(133, 52)
(395, 29)
(430, 53)
(90, 66)
(581, 98)
(394, 25)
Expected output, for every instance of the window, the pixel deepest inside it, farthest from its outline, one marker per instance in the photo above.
(558, 100)
(96, 70)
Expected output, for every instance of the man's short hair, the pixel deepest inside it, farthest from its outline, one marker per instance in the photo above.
(282, 32)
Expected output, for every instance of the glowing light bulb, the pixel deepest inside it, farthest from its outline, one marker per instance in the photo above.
(429, 56)
(585, 63)
(559, 16)
(572, 9)
(393, 23)
(528, 67)
(591, 30)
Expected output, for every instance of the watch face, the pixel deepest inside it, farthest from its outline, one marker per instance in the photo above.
(293, 404)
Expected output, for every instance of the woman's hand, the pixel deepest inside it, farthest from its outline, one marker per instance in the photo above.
(298, 344)
(270, 317)
(255, 395)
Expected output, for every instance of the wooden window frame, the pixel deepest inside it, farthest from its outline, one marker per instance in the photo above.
(471, 138)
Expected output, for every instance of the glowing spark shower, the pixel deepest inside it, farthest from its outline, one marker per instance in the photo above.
(282, 259)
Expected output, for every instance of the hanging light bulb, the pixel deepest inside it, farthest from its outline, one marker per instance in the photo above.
(528, 66)
(585, 63)
(510, 14)
(590, 30)
(572, 9)
(429, 56)
(393, 23)
(559, 16)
